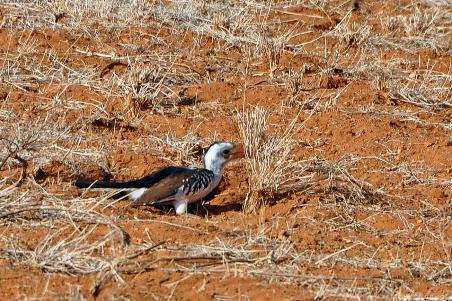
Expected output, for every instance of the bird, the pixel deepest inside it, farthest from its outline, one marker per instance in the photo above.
(176, 185)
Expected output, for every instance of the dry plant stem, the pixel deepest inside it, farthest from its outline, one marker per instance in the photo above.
(117, 268)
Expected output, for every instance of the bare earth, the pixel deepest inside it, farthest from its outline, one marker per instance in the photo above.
(344, 108)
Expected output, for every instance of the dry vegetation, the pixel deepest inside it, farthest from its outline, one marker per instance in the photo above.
(344, 109)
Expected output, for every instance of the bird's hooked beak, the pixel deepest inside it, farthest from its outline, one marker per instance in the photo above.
(238, 152)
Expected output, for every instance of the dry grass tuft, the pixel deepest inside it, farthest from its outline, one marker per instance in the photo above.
(72, 236)
(342, 186)
(271, 164)
(150, 86)
(21, 141)
(81, 252)
(354, 34)
(180, 150)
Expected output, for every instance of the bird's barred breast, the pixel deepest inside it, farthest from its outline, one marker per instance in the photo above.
(199, 185)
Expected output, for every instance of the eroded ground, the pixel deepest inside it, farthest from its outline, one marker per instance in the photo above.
(357, 93)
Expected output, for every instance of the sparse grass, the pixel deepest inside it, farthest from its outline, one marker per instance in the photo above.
(86, 87)
(227, 20)
(295, 85)
(19, 141)
(80, 241)
(270, 47)
(426, 27)
(72, 255)
(146, 87)
(73, 14)
(420, 85)
(184, 150)
(351, 34)
(343, 185)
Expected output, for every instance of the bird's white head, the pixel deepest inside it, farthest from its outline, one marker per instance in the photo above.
(220, 153)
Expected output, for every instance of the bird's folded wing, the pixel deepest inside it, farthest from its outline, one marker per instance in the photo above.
(158, 176)
(165, 189)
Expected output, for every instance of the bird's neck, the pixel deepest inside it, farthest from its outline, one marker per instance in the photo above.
(214, 167)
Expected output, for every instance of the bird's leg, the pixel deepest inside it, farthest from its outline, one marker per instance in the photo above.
(181, 209)
(180, 206)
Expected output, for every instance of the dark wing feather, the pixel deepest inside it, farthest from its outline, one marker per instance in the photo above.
(166, 187)
(158, 176)
(147, 181)
(99, 184)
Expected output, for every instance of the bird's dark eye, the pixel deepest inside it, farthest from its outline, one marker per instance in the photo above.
(226, 152)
